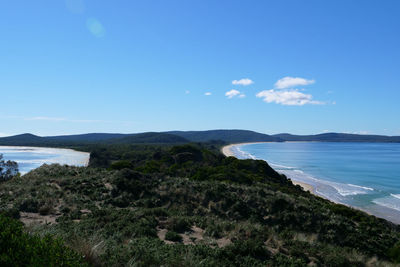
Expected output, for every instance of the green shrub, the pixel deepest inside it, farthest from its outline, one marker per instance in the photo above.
(394, 253)
(18, 248)
(179, 225)
(29, 205)
(121, 164)
(173, 236)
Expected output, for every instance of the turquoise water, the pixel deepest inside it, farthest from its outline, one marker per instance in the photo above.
(362, 175)
(29, 158)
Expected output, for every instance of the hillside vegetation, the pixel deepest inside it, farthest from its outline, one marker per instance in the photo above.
(180, 137)
(189, 205)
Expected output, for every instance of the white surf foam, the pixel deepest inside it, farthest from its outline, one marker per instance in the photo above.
(395, 195)
(242, 154)
(392, 202)
(323, 187)
(363, 187)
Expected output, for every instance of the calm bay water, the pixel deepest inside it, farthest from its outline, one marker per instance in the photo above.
(29, 158)
(362, 175)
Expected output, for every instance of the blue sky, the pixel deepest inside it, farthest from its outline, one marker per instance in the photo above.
(302, 67)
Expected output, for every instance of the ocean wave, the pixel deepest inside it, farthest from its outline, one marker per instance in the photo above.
(395, 195)
(340, 189)
(325, 188)
(392, 202)
(363, 187)
(281, 166)
(243, 154)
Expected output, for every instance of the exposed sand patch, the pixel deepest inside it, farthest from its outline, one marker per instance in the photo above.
(306, 187)
(30, 218)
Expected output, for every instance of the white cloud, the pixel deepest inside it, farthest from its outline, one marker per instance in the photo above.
(208, 93)
(287, 97)
(243, 82)
(4, 134)
(242, 95)
(187, 92)
(45, 119)
(290, 82)
(232, 93)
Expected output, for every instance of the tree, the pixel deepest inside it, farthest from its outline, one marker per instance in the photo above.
(8, 169)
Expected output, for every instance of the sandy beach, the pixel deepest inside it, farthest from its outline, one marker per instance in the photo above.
(29, 158)
(227, 151)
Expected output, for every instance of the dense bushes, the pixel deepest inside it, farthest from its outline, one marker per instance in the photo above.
(394, 253)
(18, 248)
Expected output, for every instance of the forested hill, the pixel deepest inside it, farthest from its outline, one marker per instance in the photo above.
(228, 136)
(94, 138)
(175, 137)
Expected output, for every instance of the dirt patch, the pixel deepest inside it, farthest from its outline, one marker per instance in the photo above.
(161, 235)
(30, 218)
(222, 242)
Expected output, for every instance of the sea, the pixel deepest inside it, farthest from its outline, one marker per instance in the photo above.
(362, 175)
(29, 158)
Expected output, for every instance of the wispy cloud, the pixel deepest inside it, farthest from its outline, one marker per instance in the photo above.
(60, 119)
(55, 119)
(233, 93)
(44, 119)
(287, 97)
(290, 82)
(207, 93)
(243, 82)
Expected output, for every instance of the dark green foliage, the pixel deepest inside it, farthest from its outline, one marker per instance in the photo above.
(228, 136)
(394, 253)
(149, 138)
(29, 205)
(179, 224)
(18, 248)
(121, 164)
(173, 236)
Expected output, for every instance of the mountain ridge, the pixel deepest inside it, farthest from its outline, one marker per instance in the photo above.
(221, 135)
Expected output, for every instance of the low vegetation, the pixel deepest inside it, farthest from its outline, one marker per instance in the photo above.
(188, 205)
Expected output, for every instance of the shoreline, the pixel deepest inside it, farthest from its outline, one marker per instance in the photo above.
(62, 156)
(382, 212)
(227, 151)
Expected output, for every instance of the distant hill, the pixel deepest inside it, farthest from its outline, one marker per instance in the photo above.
(178, 137)
(149, 138)
(90, 137)
(228, 136)
(22, 140)
(84, 139)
